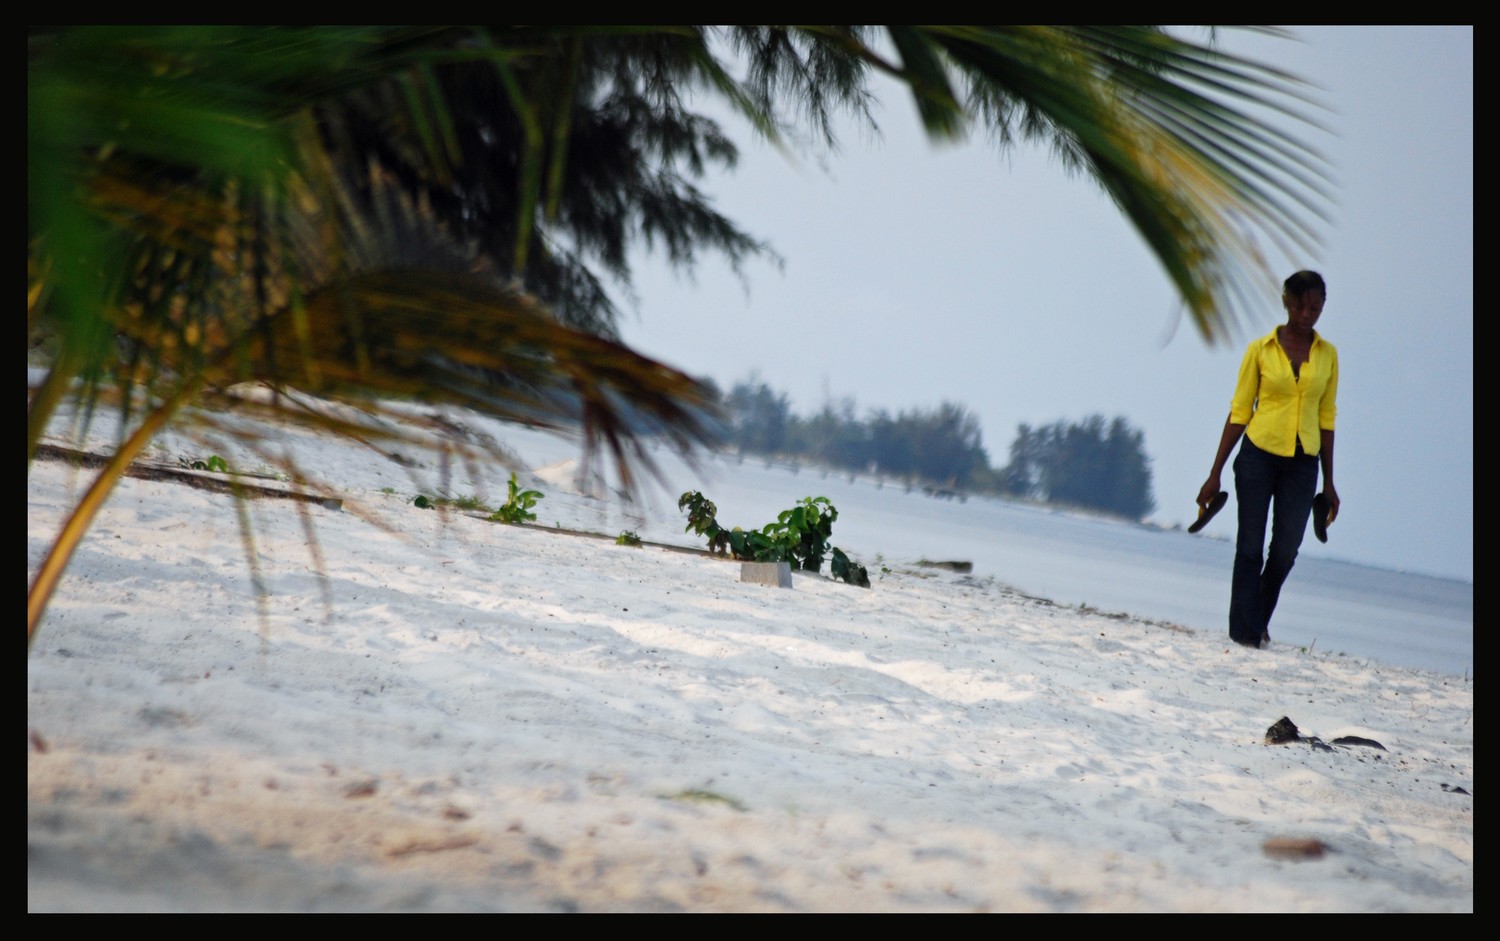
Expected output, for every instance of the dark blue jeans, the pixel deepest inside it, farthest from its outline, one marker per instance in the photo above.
(1283, 488)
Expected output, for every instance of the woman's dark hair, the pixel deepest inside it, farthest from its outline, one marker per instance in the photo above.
(1304, 281)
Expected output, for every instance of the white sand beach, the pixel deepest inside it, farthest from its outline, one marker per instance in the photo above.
(425, 711)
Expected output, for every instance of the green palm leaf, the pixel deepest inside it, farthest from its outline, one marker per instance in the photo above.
(1186, 140)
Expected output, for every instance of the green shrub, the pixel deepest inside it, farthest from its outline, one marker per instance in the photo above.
(799, 537)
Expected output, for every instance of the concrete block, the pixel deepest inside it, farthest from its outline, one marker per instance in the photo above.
(775, 574)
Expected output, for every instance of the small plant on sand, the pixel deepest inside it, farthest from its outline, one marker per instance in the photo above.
(517, 509)
(799, 537)
(628, 538)
(211, 463)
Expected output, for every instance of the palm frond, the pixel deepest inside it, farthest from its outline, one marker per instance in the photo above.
(1162, 125)
(171, 270)
(1205, 153)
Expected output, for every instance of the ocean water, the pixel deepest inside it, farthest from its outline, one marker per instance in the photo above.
(1399, 618)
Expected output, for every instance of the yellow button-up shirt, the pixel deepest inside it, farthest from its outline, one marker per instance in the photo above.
(1278, 408)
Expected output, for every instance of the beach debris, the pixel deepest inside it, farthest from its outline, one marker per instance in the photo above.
(1356, 740)
(962, 568)
(365, 788)
(703, 796)
(1284, 730)
(432, 846)
(1294, 847)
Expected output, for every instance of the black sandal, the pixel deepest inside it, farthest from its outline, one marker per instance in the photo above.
(1320, 517)
(1206, 513)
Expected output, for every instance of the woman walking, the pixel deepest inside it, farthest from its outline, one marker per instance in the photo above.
(1283, 408)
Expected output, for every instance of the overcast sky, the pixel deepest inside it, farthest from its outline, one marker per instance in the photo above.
(917, 274)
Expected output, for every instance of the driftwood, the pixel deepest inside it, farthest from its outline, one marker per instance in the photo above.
(230, 482)
(963, 568)
(1284, 731)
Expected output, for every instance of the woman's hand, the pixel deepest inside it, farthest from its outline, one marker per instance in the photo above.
(1208, 491)
(1333, 503)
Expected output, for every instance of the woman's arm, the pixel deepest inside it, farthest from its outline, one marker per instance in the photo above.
(1227, 440)
(1327, 409)
(1325, 455)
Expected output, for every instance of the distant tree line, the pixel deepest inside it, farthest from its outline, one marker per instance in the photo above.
(1086, 463)
(1092, 464)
